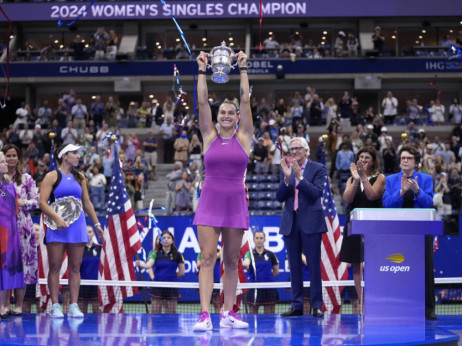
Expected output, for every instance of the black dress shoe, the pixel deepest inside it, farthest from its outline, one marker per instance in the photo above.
(5, 316)
(292, 312)
(14, 313)
(318, 313)
(431, 316)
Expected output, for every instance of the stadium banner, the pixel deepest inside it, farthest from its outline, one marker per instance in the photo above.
(50, 11)
(255, 66)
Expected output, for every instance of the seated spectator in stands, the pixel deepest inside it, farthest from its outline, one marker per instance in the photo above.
(183, 195)
(378, 39)
(168, 265)
(97, 183)
(47, 53)
(437, 112)
(69, 134)
(260, 155)
(42, 170)
(89, 271)
(111, 47)
(302, 133)
(285, 50)
(270, 45)
(296, 43)
(455, 112)
(339, 45)
(78, 46)
(446, 41)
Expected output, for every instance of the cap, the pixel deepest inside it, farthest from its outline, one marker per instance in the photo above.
(155, 101)
(261, 139)
(132, 103)
(283, 129)
(38, 126)
(341, 33)
(68, 148)
(320, 139)
(370, 126)
(421, 131)
(272, 122)
(383, 129)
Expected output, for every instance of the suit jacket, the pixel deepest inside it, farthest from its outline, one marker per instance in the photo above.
(391, 197)
(310, 213)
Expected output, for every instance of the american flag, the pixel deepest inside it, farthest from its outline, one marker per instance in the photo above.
(42, 291)
(245, 247)
(331, 268)
(121, 243)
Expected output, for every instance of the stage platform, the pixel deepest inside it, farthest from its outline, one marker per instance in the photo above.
(147, 329)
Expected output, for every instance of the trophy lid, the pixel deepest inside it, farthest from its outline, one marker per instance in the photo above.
(222, 47)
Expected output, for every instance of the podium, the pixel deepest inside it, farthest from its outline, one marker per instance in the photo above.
(394, 257)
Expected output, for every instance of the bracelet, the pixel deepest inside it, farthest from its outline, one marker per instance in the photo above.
(201, 72)
(96, 225)
(243, 69)
(365, 180)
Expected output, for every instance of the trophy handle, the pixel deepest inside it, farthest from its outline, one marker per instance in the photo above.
(234, 56)
(209, 57)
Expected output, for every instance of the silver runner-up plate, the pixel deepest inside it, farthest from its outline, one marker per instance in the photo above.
(68, 208)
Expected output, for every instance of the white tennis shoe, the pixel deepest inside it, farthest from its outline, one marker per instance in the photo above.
(204, 324)
(231, 320)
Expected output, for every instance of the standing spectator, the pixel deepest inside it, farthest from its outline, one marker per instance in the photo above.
(414, 111)
(378, 39)
(111, 48)
(455, 112)
(11, 270)
(69, 135)
(79, 48)
(25, 135)
(172, 178)
(442, 190)
(142, 114)
(316, 109)
(352, 45)
(389, 158)
(22, 115)
(157, 112)
(339, 45)
(437, 111)
(195, 151)
(131, 114)
(89, 270)
(344, 108)
(264, 269)
(45, 114)
(131, 146)
(181, 146)
(42, 170)
(168, 265)
(167, 130)
(79, 115)
(364, 190)
(446, 41)
(384, 136)
(260, 155)
(109, 113)
(101, 136)
(57, 130)
(97, 183)
(303, 223)
(343, 162)
(150, 152)
(27, 195)
(39, 140)
(60, 113)
(455, 185)
(183, 196)
(271, 45)
(69, 102)
(97, 108)
(390, 108)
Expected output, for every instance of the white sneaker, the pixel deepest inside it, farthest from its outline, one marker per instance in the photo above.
(204, 324)
(231, 320)
(74, 311)
(56, 311)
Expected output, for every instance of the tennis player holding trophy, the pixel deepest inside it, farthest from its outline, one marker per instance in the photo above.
(66, 189)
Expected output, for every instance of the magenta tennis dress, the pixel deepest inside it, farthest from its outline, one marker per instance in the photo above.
(222, 202)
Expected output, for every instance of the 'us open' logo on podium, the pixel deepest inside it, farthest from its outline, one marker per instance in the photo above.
(395, 258)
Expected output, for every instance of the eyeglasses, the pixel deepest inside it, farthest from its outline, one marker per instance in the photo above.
(295, 149)
(407, 158)
(364, 157)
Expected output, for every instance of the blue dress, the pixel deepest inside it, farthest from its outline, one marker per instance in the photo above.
(77, 231)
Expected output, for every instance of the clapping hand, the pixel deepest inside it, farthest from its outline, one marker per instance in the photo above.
(354, 171)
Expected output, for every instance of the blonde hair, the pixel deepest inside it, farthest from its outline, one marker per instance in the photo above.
(5, 177)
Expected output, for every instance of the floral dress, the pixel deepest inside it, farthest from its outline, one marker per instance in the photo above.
(28, 193)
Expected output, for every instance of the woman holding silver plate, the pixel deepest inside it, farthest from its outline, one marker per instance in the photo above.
(66, 230)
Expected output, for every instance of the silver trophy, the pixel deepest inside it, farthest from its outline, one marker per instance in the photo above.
(68, 208)
(221, 59)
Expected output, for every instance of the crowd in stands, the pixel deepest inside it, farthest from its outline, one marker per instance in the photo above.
(176, 132)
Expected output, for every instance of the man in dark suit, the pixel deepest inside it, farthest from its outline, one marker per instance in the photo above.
(302, 222)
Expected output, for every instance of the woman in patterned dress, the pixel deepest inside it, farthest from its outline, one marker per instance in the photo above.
(27, 193)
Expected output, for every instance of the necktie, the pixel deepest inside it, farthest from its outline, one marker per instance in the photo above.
(296, 191)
